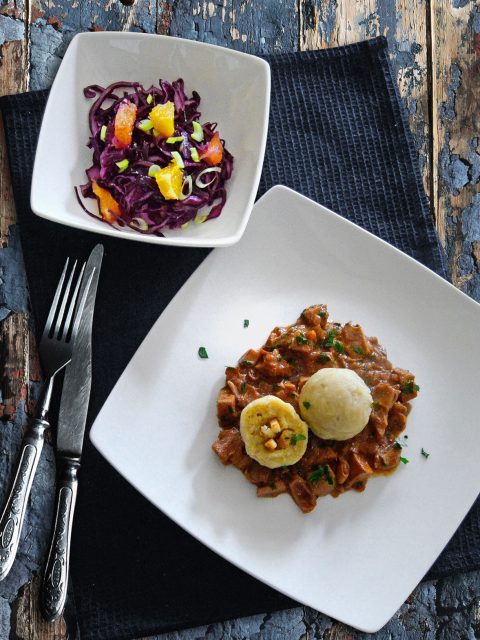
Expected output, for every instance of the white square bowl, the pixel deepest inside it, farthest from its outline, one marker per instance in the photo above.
(235, 92)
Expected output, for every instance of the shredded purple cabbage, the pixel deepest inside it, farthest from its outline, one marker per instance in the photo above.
(142, 205)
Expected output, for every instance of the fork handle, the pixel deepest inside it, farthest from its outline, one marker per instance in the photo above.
(55, 579)
(11, 520)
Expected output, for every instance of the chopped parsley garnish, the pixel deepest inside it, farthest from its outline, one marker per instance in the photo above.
(338, 346)
(291, 360)
(246, 323)
(323, 358)
(404, 460)
(322, 314)
(307, 405)
(397, 445)
(202, 352)
(279, 357)
(319, 473)
(276, 387)
(301, 339)
(359, 350)
(372, 356)
(410, 387)
(329, 340)
(424, 453)
(243, 387)
(296, 438)
(246, 363)
(374, 405)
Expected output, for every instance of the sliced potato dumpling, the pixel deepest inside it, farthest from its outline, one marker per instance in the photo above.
(273, 432)
(336, 403)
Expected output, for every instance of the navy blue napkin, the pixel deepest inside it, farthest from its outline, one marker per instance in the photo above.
(338, 134)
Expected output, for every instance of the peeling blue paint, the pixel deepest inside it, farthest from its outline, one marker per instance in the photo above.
(453, 169)
(327, 19)
(45, 57)
(320, 17)
(13, 284)
(412, 107)
(474, 160)
(457, 592)
(371, 25)
(5, 615)
(261, 27)
(459, 4)
(404, 56)
(472, 288)
(475, 17)
(471, 222)
(11, 29)
(465, 265)
(447, 108)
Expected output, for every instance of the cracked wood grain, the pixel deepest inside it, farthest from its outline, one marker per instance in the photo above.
(27, 621)
(55, 22)
(252, 26)
(456, 137)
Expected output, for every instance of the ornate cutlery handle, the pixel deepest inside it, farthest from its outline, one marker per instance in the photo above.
(11, 520)
(55, 579)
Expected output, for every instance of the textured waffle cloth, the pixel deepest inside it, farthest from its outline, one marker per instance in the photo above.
(339, 135)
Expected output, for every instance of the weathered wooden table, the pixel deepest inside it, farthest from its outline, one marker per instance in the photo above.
(435, 49)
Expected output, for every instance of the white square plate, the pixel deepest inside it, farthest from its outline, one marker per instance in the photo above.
(355, 558)
(235, 92)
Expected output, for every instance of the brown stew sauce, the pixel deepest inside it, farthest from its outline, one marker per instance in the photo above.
(281, 367)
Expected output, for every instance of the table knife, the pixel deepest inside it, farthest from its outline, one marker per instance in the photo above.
(70, 432)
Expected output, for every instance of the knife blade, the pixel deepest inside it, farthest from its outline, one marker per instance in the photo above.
(70, 432)
(78, 375)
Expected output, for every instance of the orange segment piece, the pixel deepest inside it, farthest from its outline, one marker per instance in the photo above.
(162, 117)
(124, 123)
(213, 154)
(109, 207)
(170, 181)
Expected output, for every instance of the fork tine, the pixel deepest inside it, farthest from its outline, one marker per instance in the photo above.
(81, 305)
(53, 308)
(73, 302)
(61, 313)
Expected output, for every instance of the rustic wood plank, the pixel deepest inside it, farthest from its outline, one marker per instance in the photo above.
(27, 621)
(55, 22)
(324, 24)
(456, 73)
(253, 26)
(18, 355)
(13, 79)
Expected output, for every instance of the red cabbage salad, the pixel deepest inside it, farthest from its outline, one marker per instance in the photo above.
(155, 166)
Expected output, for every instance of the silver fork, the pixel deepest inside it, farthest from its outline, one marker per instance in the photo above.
(55, 352)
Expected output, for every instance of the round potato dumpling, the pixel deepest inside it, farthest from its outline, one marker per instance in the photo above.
(336, 403)
(273, 432)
